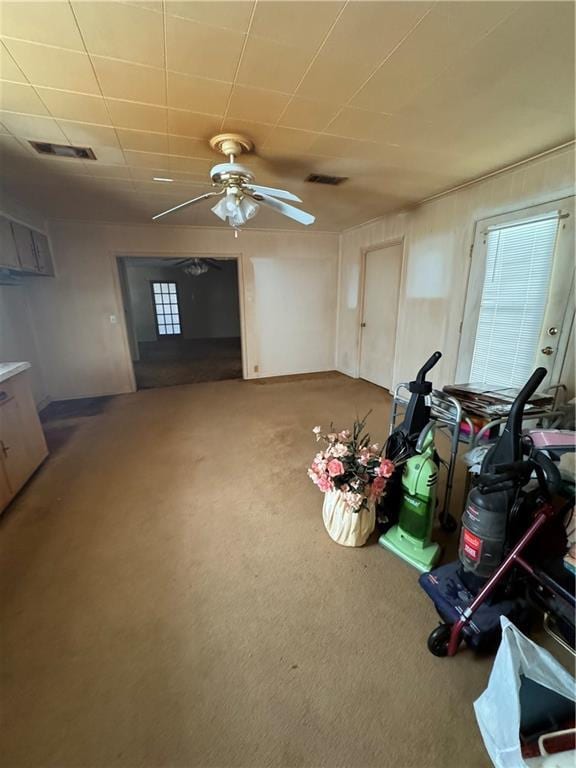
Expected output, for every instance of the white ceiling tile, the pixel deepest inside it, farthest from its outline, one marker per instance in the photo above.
(140, 117)
(9, 70)
(54, 67)
(130, 82)
(308, 114)
(74, 106)
(192, 124)
(268, 64)
(50, 23)
(234, 14)
(19, 97)
(256, 104)
(122, 31)
(143, 141)
(197, 49)
(303, 26)
(191, 93)
(33, 127)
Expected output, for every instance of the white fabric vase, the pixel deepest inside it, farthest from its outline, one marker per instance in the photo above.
(351, 529)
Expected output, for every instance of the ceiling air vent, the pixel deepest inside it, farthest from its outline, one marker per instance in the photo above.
(63, 150)
(320, 178)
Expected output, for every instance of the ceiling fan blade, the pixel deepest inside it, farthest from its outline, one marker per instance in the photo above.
(186, 204)
(286, 210)
(182, 262)
(282, 194)
(213, 263)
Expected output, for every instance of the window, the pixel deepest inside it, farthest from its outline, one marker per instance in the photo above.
(518, 266)
(165, 297)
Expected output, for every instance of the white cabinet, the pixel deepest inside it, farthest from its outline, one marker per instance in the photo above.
(8, 252)
(43, 255)
(23, 249)
(22, 444)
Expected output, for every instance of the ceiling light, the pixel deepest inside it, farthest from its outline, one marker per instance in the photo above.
(195, 267)
(234, 209)
(160, 178)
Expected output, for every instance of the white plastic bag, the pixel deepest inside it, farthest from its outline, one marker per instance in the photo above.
(498, 708)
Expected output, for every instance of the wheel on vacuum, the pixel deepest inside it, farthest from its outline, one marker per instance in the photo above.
(438, 640)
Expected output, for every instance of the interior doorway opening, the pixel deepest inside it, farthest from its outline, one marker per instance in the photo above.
(182, 319)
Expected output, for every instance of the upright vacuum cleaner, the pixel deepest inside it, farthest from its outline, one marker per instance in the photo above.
(516, 498)
(411, 500)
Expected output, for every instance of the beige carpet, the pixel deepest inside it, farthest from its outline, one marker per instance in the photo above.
(169, 599)
(169, 362)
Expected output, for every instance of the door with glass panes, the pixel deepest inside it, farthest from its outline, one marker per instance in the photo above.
(520, 299)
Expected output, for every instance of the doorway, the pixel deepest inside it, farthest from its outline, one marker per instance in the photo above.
(182, 319)
(382, 275)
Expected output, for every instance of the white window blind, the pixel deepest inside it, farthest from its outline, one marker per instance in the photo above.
(519, 260)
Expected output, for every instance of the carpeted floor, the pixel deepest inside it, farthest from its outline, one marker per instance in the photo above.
(170, 362)
(169, 599)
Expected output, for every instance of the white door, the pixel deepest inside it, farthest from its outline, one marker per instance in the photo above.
(380, 312)
(520, 303)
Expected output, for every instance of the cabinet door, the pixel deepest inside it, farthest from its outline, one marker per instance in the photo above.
(25, 247)
(8, 252)
(22, 443)
(43, 255)
(12, 446)
(5, 490)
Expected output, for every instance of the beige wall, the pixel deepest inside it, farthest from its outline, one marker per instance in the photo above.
(288, 291)
(437, 238)
(299, 314)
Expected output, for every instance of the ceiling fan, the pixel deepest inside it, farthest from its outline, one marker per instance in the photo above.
(196, 267)
(240, 197)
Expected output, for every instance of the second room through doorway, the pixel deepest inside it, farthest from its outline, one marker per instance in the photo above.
(182, 318)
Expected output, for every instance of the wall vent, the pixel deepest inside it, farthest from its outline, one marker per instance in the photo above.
(320, 178)
(63, 150)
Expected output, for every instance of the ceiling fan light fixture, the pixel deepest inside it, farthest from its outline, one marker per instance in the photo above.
(239, 196)
(236, 211)
(221, 209)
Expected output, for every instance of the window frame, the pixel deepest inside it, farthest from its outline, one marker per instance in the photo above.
(165, 336)
(476, 273)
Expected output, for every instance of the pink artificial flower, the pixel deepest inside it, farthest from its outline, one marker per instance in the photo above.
(345, 436)
(364, 456)
(386, 468)
(335, 468)
(377, 487)
(325, 484)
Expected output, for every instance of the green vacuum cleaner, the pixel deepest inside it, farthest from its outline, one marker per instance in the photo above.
(411, 500)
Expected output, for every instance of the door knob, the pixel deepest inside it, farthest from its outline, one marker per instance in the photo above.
(547, 351)
(552, 331)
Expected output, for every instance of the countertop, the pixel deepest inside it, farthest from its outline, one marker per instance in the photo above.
(7, 370)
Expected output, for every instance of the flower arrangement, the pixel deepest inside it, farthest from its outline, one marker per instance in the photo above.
(351, 464)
